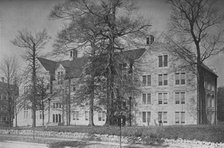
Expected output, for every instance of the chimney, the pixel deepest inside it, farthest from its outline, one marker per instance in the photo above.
(3, 80)
(149, 40)
(73, 54)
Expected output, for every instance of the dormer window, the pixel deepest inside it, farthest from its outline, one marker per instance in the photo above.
(60, 77)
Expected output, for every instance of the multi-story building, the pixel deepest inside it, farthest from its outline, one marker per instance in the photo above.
(4, 102)
(168, 93)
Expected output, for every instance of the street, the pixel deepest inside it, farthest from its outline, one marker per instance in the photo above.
(16, 144)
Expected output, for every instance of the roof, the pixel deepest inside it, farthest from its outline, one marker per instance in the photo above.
(49, 65)
(134, 54)
(74, 67)
(209, 70)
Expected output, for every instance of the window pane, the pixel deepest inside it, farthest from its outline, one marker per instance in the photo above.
(143, 98)
(164, 117)
(165, 77)
(182, 117)
(144, 80)
(182, 78)
(59, 115)
(56, 118)
(104, 116)
(160, 101)
(177, 119)
(160, 61)
(149, 80)
(165, 95)
(86, 115)
(148, 98)
(148, 117)
(77, 115)
(177, 78)
(160, 79)
(159, 116)
(99, 116)
(182, 97)
(143, 116)
(177, 99)
(165, 60)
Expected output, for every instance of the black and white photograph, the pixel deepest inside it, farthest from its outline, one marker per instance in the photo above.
(111, 74)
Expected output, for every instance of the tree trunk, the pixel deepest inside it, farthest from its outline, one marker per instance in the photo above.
(49, 110)
(91, 104)
(42, 112)
(69, 102)
(34, 85)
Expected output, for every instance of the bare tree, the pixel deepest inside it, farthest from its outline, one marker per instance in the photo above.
(196, 25)
(9, 70)
(100, 26)
(32, 43)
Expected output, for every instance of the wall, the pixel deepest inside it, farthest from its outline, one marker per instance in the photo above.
(148, 64)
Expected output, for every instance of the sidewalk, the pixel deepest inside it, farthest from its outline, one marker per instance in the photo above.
(51, 140)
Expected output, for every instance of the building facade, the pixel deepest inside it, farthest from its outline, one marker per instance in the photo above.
(168, 91)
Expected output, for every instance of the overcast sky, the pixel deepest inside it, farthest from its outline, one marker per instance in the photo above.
(33, 15)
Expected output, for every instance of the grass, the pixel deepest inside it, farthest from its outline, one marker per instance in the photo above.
(197, 132)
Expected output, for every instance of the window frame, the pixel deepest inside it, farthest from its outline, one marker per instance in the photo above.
(163, 60)
(163, 79)
(163, 97)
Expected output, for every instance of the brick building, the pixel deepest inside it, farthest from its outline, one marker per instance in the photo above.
(168, 92)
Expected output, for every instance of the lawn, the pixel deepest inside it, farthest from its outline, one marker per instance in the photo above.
(197, 132)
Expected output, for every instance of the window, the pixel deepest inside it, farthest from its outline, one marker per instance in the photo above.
(41, 115)
(163, 79)
(143, 98)
(162, 117)
(56, 118)
(101, 116)
(163, 61)
(73, 88)
(182, 117)
(25, 114)
(146, 98)
(180, 78)
(146, 117)
(143, 117)
(179, 117)
(86, 115)
(57, 105)
(162, 98)
(146, 80)
(104, 116)
(179, 97)
(76, 115)
(60, 77)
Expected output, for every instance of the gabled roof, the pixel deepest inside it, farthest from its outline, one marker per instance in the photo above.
(134, 54)
(209, 70)
(49, 65)
(74, 68)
